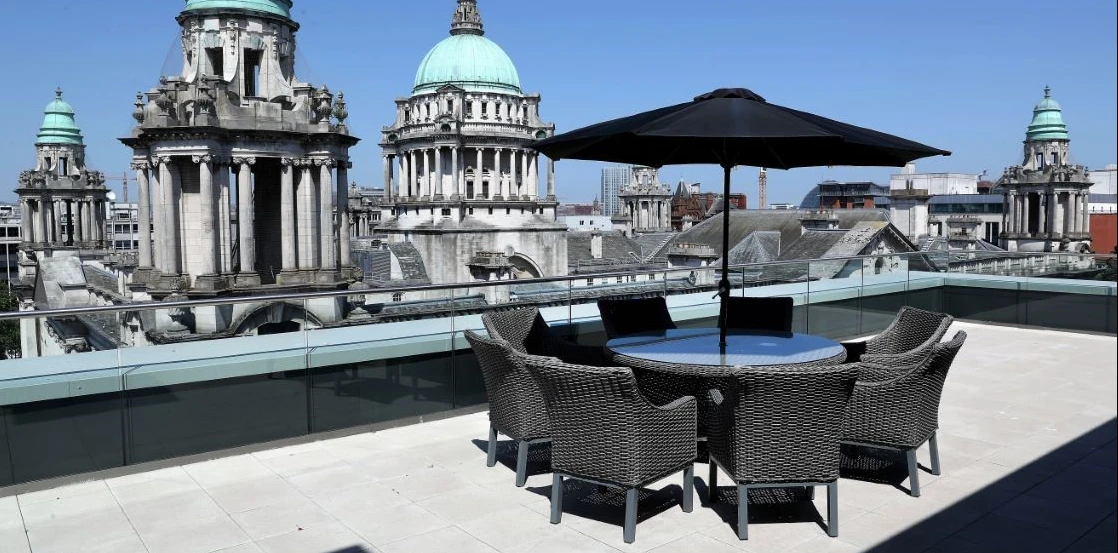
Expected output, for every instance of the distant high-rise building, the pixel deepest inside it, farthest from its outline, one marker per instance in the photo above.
(613, 180)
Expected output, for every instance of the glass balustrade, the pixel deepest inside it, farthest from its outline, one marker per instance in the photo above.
(400, 356)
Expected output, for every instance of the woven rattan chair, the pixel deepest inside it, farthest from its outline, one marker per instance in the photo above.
(899, 408)
(527, 332)
(913, 330)
(516, 406)
(621, 316)
(780, 427)
(605, 432)
(773, 314)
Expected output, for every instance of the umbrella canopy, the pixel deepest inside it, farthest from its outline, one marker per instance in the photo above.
(731, 127)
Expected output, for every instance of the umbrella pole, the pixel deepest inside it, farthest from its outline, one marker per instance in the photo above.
(724, 284)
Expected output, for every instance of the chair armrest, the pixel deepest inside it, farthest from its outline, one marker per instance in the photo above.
(675, 404)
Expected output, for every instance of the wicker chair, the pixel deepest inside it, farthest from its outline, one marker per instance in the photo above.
(913, 330)
(605, 432)
(899, 408)
(780, 427)
(527, 332)
(634, 315)
(773, 314)
(516, 407)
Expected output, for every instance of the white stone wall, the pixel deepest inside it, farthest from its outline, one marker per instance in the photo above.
(447, 255)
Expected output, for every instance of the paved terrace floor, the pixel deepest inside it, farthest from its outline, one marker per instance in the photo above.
(1027, 442)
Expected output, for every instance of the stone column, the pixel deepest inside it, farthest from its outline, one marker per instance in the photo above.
(502, 190)
(289, 248)
(551, 180)
(479, 176)
(307, 210)
(42, 234)
(25, 220)
(144, 215)
(438, 184)
(246, 231)
(344, 256)
(457, 180)
(534, 175)
(1085, 224)
(402, 182)
(207, 250)
(413, 184)
(386, 162)
(171, 258)
(224, 220)
(514, 188)
(329, 259)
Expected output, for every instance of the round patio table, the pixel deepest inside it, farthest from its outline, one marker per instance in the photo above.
(696, 350)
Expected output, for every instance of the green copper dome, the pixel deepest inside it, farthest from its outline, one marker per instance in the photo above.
(59, 126)
(275, 7)
(1048, 123)
(467, 59)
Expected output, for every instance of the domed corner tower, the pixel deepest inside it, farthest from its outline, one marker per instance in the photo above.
(239, 163)
(467, 185)
(63, 202)
(1046, 197)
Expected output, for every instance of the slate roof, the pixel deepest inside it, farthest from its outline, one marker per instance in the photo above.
(411, 263)
(653, 243)
(784, 221)
(615, 246)
(759, 247)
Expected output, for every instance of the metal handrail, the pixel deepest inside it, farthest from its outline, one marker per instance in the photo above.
(298, 296)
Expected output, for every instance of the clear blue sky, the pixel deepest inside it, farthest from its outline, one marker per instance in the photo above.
(958, 75)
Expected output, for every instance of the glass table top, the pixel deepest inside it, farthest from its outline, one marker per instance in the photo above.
(699, 346)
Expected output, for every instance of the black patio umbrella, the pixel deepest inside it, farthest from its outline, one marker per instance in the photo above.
(731, 127)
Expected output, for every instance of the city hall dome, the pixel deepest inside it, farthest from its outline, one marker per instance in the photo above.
(1048, 121)
(59, 126)
(467, 59)
(281, 8)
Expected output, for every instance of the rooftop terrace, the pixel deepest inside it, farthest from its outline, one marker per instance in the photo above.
(1027, 440)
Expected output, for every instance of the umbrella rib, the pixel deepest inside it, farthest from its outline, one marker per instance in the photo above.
(772, 152)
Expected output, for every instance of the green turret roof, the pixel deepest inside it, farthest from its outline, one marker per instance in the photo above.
(467, 59)
(275, 7)
(59, 126)
(1047, 123)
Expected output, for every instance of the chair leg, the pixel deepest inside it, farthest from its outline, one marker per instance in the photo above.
(689, 488)
(522, 462)
(832, 509)
(933, 448)
(712, 483)
(743, 512)
(630, 531)
(913, 474)
(492, 458)
(556, 498)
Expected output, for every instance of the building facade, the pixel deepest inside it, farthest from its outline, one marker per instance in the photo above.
(1046, 197)
(461, 182)
(613, 180)
(237, 129)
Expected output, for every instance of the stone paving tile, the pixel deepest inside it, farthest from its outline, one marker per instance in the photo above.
(445, 539)
(387, 525)
(275, 520)
(1028, 449)
(330, 538)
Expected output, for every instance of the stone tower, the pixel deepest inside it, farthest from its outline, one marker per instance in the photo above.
(240, 166)
(62, 200)
(1046, 197)
(467, 185)
(646, 202)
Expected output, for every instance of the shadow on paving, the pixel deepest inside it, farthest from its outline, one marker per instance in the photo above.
(539, 456)
(1063, 502)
